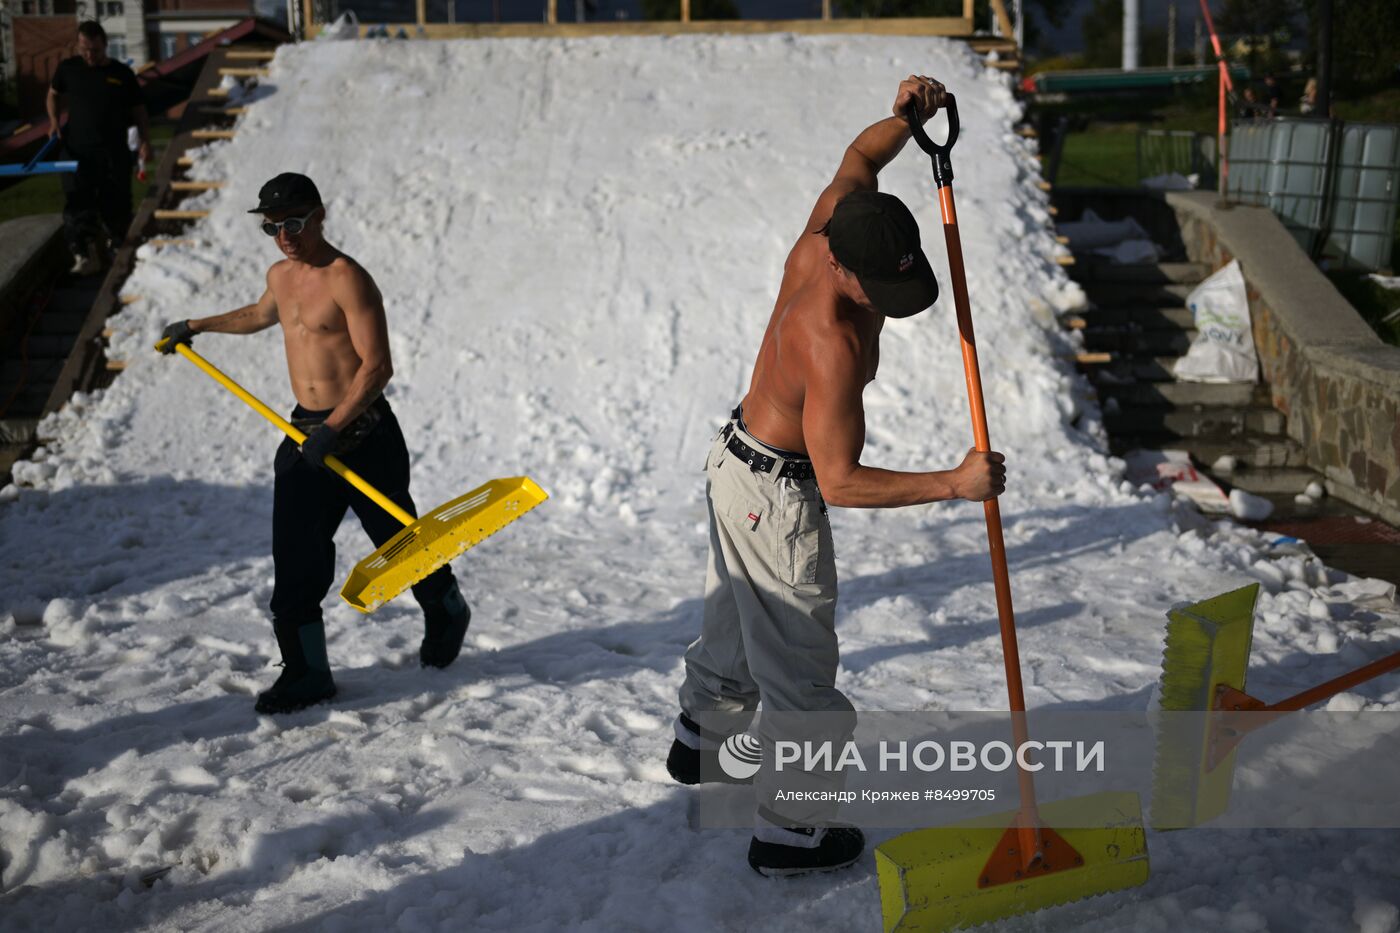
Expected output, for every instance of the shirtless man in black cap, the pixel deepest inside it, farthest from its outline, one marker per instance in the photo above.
(791, 448)
(337, 344)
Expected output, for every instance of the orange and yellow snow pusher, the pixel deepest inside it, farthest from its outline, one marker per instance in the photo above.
(426, 543)
(992, 867)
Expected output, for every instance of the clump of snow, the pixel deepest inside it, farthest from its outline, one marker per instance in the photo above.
(579, 242)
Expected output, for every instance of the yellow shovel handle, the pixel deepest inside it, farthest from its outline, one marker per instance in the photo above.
(340, 469)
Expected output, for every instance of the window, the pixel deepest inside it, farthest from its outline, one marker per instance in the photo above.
(110, 9)
(116, 47)
(193, 38)
(167, 46)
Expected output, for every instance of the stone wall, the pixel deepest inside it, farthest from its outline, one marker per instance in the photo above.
(1334, 379)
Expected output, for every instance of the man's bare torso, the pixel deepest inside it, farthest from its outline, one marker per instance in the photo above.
(321, 359)
(807, 316)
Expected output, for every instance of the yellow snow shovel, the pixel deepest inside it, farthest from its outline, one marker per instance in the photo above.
(1204, 665)
(1011, 863)
(426, 543)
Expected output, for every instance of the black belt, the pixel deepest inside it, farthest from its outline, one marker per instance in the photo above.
(761, 462)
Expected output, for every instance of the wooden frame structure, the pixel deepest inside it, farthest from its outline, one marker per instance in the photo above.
(551, 27)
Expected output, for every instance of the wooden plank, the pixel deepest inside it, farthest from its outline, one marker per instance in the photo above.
(237, 72)
(213, 134)
(877, 26)
(1044, 185)
(116, 366)
(1064, 260)
(1062, 240)
(219, 111)
(217, 92)
(159, 242)
(196, 185)
(184, 161)
(1003, 20)
(1004, 64)
(1027, 132)
(551, 14)
(421, 10)
(1085, 359)
(1053, 211)
(130, 299)
(1074, 322)
(169, 214)
(685, 11)
(251, 55)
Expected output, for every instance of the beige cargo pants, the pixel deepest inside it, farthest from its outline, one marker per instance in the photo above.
(768, 634)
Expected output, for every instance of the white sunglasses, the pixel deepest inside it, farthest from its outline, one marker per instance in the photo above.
(294, 225)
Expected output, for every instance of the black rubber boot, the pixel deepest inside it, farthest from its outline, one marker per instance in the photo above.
(696, 761)
(444, 627)
(838, 847)
(306, 674)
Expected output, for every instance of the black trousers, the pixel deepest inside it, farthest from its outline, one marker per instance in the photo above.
(309, 503)
(97, 195)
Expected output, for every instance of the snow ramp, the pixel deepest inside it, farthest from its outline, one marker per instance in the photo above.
(579, 242)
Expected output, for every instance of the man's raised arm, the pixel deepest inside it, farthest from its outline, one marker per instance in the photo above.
(875, 147)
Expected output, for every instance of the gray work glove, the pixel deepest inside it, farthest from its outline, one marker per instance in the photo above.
(177, 332)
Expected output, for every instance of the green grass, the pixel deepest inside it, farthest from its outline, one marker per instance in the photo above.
(43, 194)
(1102, 156)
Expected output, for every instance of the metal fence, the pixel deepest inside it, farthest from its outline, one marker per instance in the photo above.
(1181, 152)
(1334, 185)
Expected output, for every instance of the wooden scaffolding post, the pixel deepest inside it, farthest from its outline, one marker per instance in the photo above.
(423, 12)
(685, 11)
(1008, 29)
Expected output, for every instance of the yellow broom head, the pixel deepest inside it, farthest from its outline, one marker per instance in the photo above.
(933, 879)
(1207, 645)
(436, 538)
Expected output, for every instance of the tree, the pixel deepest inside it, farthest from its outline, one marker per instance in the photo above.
(1365, 35)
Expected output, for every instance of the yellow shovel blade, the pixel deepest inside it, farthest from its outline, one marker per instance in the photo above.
(436, 538)
(929, 877)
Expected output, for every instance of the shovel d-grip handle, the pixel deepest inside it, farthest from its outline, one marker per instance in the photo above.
(940, 153)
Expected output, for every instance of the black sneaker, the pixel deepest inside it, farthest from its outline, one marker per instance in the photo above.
(294, 691)
(444, 628)
(694, 766)
(839, 846)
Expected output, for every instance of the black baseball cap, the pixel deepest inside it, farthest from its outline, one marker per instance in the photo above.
(874, 236)
(285, 192)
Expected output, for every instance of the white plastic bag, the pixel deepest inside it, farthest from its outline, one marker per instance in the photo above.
(1223, 350)
(346, 26)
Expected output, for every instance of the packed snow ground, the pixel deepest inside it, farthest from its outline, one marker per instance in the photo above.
(579, 243)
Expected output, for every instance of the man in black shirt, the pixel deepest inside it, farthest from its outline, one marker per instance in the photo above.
(103, 99)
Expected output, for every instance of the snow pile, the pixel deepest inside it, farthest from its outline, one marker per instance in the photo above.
(579, 243)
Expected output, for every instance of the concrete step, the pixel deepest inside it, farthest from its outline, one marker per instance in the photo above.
(1194, 421)
(1136, 341)
(1173, 394)
(56, 323)
(1126, 369)
(1252, 449)
(1120, 294)
(1269, 481)
(50, 345)
(1145, 318)
(1088, 268)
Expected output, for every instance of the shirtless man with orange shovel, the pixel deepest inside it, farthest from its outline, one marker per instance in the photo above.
(337, 344)
(791, 448)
